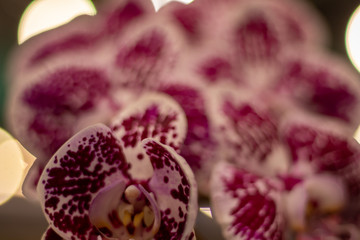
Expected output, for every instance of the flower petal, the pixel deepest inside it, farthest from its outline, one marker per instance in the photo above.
(87, 162)
(175, 190)
(156, 116)
(322, 84)
(245, 205)
(52, 103)
(199, 148)
(324, 144)
(118, 15)
(146, 53)
(247, 130)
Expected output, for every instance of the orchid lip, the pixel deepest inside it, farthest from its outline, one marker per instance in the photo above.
(131, 212)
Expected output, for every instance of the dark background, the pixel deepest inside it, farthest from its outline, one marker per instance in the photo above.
(21, 220)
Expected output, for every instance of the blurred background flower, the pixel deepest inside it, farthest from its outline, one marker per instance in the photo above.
(14, 30)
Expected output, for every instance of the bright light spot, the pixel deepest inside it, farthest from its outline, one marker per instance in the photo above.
(352, 38)
(357, 135)
(15, 161)
(43, 15)
(206, 211)
(159, 3)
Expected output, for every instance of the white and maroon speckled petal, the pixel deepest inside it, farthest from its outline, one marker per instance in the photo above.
(245, 205)
(174, 187)
(117, 15)
(156, 116)
(200, 148)
(193, 20)
(78, 36)
(53, 102)
(325, 144)
(321, 83)
(247, 130)
(88, 162)
(146, 53)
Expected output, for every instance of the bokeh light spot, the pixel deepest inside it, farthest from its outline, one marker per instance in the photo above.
(352, 38)
(43, 15)
(159, 3)
(11, 166)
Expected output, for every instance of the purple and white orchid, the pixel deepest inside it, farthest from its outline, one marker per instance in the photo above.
(121, 182)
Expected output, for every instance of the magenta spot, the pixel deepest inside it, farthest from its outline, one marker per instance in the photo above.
(216, 69)
(140, 156)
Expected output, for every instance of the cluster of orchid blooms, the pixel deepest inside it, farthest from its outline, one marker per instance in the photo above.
(132, 112)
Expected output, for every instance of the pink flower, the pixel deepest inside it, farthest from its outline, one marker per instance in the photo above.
(120, 182)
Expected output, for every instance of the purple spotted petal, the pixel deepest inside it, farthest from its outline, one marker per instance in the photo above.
(174, 187)
(200, 148)
(325, 145)
(76, 36)
(73, 37)
(321, 84)
(146, 53)
(53, 103)
(86, 163)
(154, 116)
(190, 19)
(247, 131)
(246, 205)
(119, 15)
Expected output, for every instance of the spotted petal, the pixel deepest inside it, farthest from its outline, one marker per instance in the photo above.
(156, 116)
(146, 54)
(86, 163)
(247, 131)
(323, 145)
(199, 148)
(245, 205)
(322, 84)
(175, 190)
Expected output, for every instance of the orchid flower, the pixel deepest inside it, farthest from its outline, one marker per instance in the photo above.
(121, 182)
(321, 177)
(320, 83)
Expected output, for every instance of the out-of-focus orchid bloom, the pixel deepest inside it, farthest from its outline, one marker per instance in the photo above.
(319, 83)
(247, 130)
(322, 178)
(94, 186)
(246, 205)
(14, 164)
